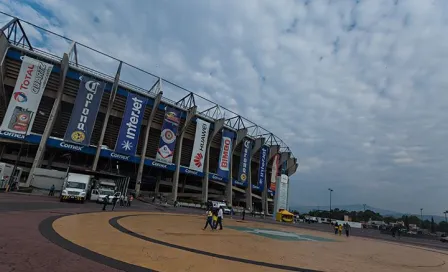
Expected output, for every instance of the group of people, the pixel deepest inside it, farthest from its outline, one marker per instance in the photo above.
(214, 218)
(339, 227)
(124, 201)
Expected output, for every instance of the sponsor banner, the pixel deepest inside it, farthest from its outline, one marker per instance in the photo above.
(200, 143)
(168, 136)
(256, 187)
(87, 103)
(264, 152)
(216, 177)
(225, 156)
(243, 171)
(188, 171)
(275, 172)
(127, 141)
(25, 99)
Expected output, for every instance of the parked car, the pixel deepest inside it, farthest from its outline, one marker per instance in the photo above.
(444, 239)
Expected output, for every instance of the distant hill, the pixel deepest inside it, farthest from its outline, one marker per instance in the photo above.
(360, 207)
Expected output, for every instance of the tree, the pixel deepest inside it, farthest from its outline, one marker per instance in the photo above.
(406, 222)
(433, 225)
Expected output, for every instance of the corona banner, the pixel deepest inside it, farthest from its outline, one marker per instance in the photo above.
(168, 135)
(225, 156)
(200, 143)
(243, 171)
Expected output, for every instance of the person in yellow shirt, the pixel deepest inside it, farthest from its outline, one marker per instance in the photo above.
(215, 219)
(209, 215)
(340, 229)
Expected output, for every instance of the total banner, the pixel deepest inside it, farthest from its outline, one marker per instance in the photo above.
(168, 136)
(225, 156)
(275, 172)
(264, 152)
(127, 141)
(243, 171)
(200, 143)
(26, 97)
(85, 110)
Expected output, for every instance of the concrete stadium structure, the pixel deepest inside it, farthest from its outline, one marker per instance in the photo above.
(44, 148)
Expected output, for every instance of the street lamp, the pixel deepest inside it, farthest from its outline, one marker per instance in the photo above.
(445, 212)
(421, 217)
(331, 190)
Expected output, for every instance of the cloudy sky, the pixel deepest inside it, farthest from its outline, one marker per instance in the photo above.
(357, 89)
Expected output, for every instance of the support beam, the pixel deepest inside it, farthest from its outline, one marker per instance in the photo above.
(284, 156)
(240, 134)
(141, 165)
(292, 167)
(158, 178)
(51, 120)
(257, 145)
(218, 125)
(274, 149)
(180, 138)
(113, 94)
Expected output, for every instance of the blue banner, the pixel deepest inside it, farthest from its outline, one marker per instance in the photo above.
(245, 162)
(225, 156)
(168, 136)
(85, 110)
(264, 153)
(127, 141)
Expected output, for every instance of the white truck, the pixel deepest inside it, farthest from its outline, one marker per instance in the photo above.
(106, 188)
(75, 187)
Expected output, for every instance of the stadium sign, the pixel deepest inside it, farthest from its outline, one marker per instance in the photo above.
(264, 152)
(199, 146)
(12, 135)
(120, 156)
(71, 146)
(225, 156)
(215, 177)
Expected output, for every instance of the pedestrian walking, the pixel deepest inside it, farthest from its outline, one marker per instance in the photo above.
(215, 218)
(209, 219)
(51, 193)
(106, 201)
(114, 202)
(220, 217)
(336, 228)
(347, 229)
(244, 214)
(340, 229)
(131, 198)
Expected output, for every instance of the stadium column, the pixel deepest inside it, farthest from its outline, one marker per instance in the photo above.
(240, 134)
(272, 151)
(113, 94)
(51, 119)
(180, 138)
(217, 127)
(257, 145)
(291, 167)
(141, 165)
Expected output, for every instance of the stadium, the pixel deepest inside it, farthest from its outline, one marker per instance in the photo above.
(144, 132)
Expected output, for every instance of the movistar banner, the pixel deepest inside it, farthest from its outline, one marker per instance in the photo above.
(243, 171)
(225, 156)
(168, 136)
(264, 152)
(127, 141)
(85, 110)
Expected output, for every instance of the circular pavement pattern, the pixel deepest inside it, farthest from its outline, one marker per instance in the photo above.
(143, 241)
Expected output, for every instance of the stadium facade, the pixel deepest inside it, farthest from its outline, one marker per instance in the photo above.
(58, 114)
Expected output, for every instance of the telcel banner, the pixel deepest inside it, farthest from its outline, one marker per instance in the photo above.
(25, 99)
(127, 141)
(243, 171)
(225, 156)
(275, 167)
(168, 136)
(85, 110)
(264, 152)
(200, 143)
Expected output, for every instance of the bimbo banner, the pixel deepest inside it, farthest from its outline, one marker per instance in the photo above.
(85, 110)
(243, 171)
(225, 156)
(200, 143)
(25, 99)
(275, 172)
(127, 141)
(264, 152)
(168, 136)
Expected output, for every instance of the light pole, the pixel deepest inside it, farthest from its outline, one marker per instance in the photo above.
(445, 212)
(331, 190)
(421, 217)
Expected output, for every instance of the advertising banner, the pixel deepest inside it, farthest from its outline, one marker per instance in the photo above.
(243, 171)
(200, 143)
(168, 136)
(281, 194)
(127, 141)
(25, 99)
(225, 156)
(87, 103)
(264, 152)
(275, 172)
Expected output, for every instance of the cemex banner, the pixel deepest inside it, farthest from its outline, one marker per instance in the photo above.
(25, 99)
(275, 172)
(168, 136)
(264, 153)
(243, 171)
(85, 110)
(200, 143)
(225, 157)
(127, 141)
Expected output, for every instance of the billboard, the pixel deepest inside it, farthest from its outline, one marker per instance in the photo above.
(168, 135)
(85, 110)
(281, 194)
(243, 171)
(225, 156)
(275, 172)
(127, 141)
(200, 143)
(25, 99)
(264, 152)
